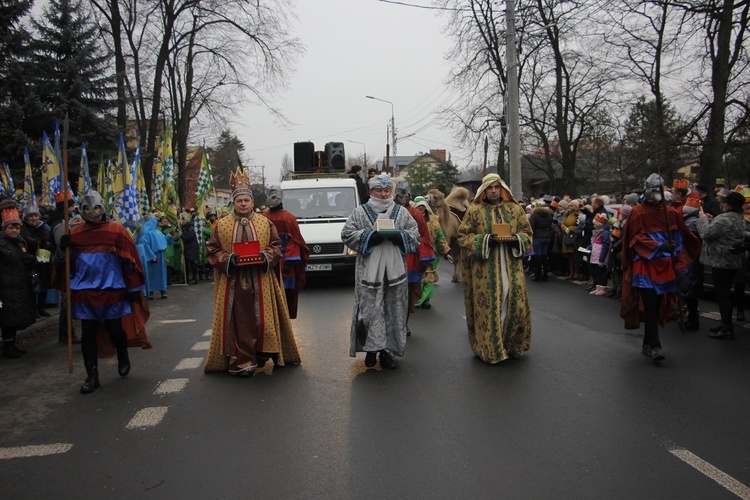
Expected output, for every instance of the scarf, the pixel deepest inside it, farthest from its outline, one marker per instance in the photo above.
(379, 206)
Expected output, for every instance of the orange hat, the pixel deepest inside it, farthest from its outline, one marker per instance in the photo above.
(693, 203)
(10, 216)
(553, 204)
(601, 218)
(680, 184)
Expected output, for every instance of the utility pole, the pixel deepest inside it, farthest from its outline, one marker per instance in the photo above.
(514, 135)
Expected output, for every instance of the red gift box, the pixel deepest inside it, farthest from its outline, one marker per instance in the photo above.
(248, 253)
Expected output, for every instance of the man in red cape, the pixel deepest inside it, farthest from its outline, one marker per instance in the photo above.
(106, 280)
(294, 250)
(651, 259)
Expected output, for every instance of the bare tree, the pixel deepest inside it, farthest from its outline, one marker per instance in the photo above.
(725, 24)
(287, 166)
(650, 39)
(211, 55)
(565, 85)
(479, 75)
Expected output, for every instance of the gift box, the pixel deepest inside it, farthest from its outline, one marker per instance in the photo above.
(248, 253)
(501, 230)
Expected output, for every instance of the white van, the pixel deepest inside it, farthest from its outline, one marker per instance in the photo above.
(322, 203)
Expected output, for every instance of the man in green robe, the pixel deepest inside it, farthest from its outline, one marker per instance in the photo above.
(497, 304)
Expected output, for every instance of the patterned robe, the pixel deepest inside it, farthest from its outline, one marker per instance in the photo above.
(250, 311)
(498, 316)
(380, 309)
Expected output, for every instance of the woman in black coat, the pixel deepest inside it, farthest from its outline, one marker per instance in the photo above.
(39, 239)
(190, 251)
(17, 305)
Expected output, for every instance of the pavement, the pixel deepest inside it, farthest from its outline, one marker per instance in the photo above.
(45, 327)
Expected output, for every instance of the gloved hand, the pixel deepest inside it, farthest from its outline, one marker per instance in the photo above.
(668, 246)
(287, 267)
(375, 240)
(133, 296)
(394, 237)
(65, 242)
(233, 262)
(449, 258)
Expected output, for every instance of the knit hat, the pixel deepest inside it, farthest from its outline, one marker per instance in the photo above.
(631, 199)
(735, 200)
(563, 204)
(625, 211)
(701, 188)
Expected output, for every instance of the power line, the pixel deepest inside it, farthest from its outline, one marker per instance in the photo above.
(426, 7)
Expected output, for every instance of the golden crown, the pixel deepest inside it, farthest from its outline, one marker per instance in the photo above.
(11, 214)
(680, 184)
(60, 196)
(693, 203)
(239, 183)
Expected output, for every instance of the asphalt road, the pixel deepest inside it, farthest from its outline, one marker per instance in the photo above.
(583, 415)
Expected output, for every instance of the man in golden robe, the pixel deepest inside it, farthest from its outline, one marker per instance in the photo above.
(251, 319)
(497, 304)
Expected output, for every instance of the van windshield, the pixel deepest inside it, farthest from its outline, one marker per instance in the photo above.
(313, 203)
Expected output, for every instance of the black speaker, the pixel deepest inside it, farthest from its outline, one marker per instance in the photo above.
(335, 155)
(304, 157)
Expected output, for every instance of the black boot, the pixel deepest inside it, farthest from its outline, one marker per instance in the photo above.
(92, 379)
(42, 311)
(9, 349)
(123, 362)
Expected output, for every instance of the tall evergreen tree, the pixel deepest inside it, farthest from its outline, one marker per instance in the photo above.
(224, 159)
(14, 97)
(73, 76)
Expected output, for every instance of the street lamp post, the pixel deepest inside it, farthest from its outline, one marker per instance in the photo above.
(514, 135)
(393, 122)
(364, 148)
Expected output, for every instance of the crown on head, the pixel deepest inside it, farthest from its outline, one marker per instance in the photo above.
(11, 214)
(680, 184)
(601, 218)
(60, 196)
(693, 203)
(239, 183)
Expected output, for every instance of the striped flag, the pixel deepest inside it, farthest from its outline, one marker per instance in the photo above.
(4, 183)
(51, 175)
(158, 178)
(170, 201)
(29, 197)
(143, 202)
(84, 179)
(205, 183)
(129, 208)
(118, 176)
(110, 172)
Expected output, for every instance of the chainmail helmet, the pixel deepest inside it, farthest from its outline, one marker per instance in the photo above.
(91, 200)
(402, 188)
(653, 182)
(275, 197)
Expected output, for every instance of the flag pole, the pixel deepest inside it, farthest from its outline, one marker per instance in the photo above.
(69, 319)
(486, 146)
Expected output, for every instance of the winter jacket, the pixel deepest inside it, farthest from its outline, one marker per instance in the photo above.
(719, 236)
(541, 222)
(189, 242)
(18, 304)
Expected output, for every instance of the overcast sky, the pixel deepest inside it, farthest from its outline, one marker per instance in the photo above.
(356, 48)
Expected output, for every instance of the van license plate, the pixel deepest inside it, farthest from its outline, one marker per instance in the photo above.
(318, 267)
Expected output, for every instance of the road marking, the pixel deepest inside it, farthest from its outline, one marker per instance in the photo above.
(171, 385)
(167, 321)
(712, 472)
(201, 346)
(34, 451)
(147, 417)
(189, 364)
(207, 333)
